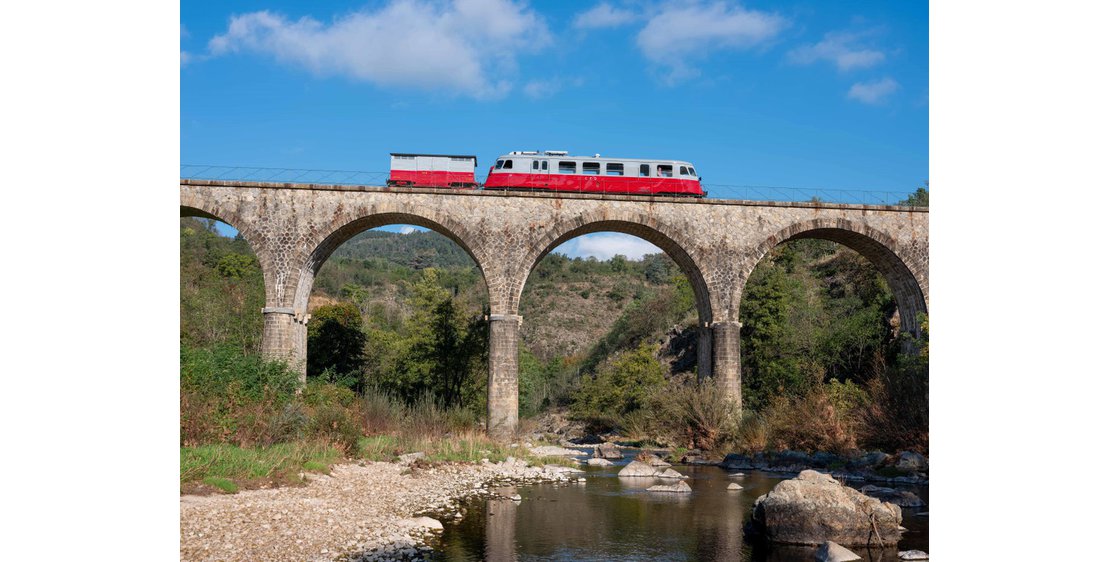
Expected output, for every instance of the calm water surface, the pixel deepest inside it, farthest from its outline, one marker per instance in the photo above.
(611, 518)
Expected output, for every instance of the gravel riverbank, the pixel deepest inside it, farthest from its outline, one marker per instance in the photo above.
(363, 511)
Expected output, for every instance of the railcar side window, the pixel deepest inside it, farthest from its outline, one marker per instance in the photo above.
(664, 171)
(591, 168)
(500, 164)
(614, 169)
(543, 165)
(645, 170)
(535, 164)
(568, 167)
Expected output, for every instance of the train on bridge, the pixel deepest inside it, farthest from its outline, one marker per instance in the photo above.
(551, 170)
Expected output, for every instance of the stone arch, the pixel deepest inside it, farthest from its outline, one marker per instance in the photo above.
(344, 230)
(200, 210)
(645, 227)
(905, 270)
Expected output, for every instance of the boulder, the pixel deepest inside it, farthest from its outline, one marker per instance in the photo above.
(735, 486)
(678, 487)
(599, 462)
(652, 459)
(411, 457)
(832, 552)
(554, 451)
(912, 461)
(638, 469)
(901, 498)
(813, 508)
(424, 523)
(872, 459)
(912, 555)
(607, 451)
(670, 473)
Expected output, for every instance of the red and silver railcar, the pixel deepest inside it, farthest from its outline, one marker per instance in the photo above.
(432, 170)
(556, 171)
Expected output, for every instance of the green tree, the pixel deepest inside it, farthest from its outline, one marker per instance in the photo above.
(919, 198)
(336, 341)
(622, 384)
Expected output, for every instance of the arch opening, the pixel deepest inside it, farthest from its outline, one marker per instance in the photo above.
(394, 305)
(831, 326)
(604, 296)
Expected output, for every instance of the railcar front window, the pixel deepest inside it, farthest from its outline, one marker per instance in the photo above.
(568, 167)
(692, 172)
(508, 164)
(682, 171)
(500, 164)
(614, 169)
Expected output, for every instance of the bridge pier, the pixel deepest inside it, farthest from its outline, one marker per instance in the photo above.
(285, 338)
(726, 358)
(503, 403)
(705, 352)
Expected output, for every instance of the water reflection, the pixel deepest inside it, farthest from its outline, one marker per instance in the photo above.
(611, 518)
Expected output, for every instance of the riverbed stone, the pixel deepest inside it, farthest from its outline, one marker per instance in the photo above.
(678, 487)
(912, 555)
(832, 552)
(607, 451)
(599, 462)
(912, 461)
(813, 508)
(637, 469)
(735, 486)
(670, 473)
(901, 498)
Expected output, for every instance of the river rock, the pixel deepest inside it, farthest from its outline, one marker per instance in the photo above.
(411, 457)
(832, 552)
(678, 487)
(670, 473)
(912, 555)
(554, 451)
(607, 451)
(872, 459)
(652, 459)
(912, 461)
(735, 461)
(637, 468)
(425, 523)
(813, 508)
(901, 498)
(599, 462)
(735, 486)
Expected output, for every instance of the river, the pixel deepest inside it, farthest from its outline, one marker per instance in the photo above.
(611, 518)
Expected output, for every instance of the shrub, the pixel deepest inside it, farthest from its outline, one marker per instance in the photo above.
(696, 416)
(810, 422)
(622, 385)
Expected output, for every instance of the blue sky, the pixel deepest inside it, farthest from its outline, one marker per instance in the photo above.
(798, 94)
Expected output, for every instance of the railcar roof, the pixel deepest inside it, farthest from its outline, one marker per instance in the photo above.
(599, 159)
(434, 155)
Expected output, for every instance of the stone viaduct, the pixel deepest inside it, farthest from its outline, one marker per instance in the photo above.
(293, 228)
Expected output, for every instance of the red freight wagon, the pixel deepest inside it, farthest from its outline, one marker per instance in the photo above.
(432, 170)
(555, 171)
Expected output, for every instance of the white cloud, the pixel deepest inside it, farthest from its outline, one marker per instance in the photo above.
(682, 33)
(537, 89)
(462, 46)
(839, 48)
(873, 92)
(604, 15)
(604, 245)
(406, 229)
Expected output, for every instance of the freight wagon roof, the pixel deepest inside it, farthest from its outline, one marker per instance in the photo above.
(475, 158)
